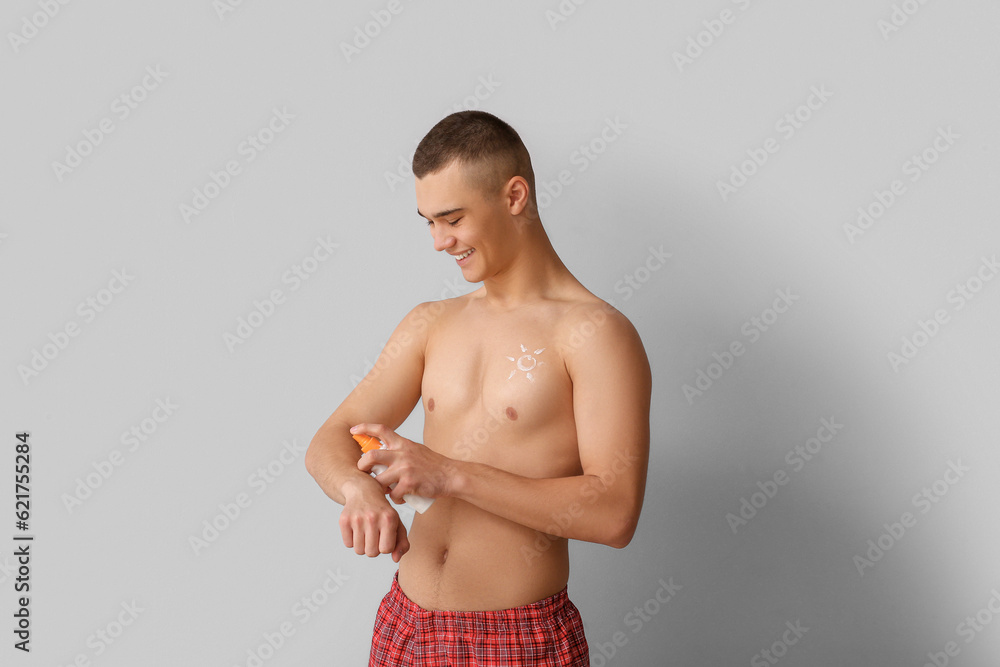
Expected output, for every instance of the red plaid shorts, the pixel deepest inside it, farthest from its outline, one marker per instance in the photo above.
(547, 633)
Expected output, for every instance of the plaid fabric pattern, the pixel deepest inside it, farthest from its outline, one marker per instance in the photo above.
(547, 633)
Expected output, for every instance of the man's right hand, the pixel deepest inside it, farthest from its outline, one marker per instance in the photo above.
(370, 525)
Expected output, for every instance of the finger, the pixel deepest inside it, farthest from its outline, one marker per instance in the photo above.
(371, 540)
(388, 478)
(376, 457)
(387, 536)
(402, 543)
(346, 531)
(359, 540)
(370, 429)
(388, 436)
(380, 431)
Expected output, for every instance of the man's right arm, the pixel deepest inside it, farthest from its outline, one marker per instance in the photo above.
(386, 395)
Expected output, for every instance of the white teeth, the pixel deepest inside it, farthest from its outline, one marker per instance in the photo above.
(465, 254)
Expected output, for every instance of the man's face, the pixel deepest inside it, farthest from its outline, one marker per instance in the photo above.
(461, 218)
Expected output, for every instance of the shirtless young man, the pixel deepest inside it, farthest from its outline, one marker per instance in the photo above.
(536, 399)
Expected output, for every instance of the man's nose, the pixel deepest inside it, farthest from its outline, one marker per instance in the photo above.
(442, 239)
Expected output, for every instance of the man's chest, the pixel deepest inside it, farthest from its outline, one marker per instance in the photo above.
(510, 368)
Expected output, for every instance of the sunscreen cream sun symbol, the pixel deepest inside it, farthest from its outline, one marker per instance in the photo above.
(526, 363)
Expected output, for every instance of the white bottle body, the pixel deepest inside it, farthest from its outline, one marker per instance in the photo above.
(418, 503)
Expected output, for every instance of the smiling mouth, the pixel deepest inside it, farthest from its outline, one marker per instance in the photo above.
(465, 254)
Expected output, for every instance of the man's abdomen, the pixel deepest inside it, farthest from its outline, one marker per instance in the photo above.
(464, 559)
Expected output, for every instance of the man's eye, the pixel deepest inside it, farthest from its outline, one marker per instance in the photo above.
(452, 222)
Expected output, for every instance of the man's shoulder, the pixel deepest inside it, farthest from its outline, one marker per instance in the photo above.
(439, 307)
(593, 325)
(589, 313)
(420, 319)
(427, 313)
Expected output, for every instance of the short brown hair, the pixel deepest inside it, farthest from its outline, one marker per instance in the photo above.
(479, 140)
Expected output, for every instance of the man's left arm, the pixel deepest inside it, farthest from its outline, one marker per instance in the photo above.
(611, 399)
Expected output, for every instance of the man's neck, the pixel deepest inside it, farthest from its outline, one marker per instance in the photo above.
(535, 273)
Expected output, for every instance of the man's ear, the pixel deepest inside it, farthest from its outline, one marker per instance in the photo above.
(517, 195)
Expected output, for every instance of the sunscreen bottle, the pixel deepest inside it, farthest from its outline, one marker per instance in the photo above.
(368, 443)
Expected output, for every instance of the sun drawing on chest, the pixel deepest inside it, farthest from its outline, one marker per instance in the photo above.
(526, 362)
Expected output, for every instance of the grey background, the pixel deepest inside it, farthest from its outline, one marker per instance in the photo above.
(325, 175)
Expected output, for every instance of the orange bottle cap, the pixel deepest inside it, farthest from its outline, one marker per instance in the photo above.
(367, 442)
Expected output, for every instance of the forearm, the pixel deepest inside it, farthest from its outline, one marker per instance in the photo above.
(579, 507)
(332, 460)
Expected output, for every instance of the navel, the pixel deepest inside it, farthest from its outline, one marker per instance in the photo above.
(511, 413)
(430, 404)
